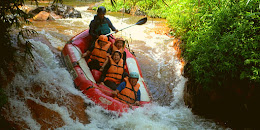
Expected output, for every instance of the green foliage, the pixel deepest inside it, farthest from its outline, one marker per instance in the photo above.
(120, 4)
(226, 47)
(12, 19)
(11, 16)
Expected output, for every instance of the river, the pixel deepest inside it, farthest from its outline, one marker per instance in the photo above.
(161, 71)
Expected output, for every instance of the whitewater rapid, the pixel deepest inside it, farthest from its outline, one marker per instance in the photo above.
(160, 67)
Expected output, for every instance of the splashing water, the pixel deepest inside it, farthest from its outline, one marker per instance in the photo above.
(161, 70)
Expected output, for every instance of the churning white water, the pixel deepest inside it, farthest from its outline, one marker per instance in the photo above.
(160, 68)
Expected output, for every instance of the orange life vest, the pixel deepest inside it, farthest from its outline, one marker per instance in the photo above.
(99, 53)
(129, 93)
(122, 50)
(115, 72)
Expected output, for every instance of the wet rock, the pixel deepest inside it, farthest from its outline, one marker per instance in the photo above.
(233, 105)
(56, 11)
(138, 12)
(36, 11)
(48, 119)
(12, 116)
(7, 123)
(134, 11)
(44, 40)
(54, 16)
(64, 11)
(42, 16)
(123, 10)
(26, 9)
(77, 108)
(74, 103)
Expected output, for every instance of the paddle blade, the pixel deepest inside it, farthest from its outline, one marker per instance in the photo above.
(142, 21)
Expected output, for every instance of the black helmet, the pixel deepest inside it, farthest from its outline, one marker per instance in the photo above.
(101, 10)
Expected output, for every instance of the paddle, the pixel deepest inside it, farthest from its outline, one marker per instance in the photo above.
(140, 22)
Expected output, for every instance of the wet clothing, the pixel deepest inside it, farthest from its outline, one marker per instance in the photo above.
(112, 85)
(115, 71)
(98, 56)
(91, 48)
(100, 26)
(113, 74)
(127, 93)
(94, 64)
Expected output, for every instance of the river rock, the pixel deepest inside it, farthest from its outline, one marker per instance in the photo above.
(56, 11)
(32, 100)
(125, 10)
(36, 11)
(138, 12)
(133, 11)
(235, 104)
(54, 16)
(64, 11)
(42, 16)
(47, 118)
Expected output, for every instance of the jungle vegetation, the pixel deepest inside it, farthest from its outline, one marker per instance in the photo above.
(12, 20)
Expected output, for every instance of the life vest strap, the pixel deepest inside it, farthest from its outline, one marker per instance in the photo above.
(98, 56)
(114, 73)
(117, 66)
(132, 89)
(99, 49)
(125, 100)
(113, 77)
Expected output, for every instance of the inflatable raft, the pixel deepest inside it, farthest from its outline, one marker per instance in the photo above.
(85, 79)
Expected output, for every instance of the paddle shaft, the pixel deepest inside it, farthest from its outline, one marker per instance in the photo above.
(140, 22)
(119, 30)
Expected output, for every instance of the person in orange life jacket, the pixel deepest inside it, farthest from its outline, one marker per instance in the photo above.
(128, 91)
(120, 45)
(100, 25)
(97, 55)
(113, 72)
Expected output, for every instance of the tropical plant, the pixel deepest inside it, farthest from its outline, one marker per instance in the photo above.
(225, 48)
(12, 20)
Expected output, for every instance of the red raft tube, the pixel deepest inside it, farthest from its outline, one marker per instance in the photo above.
(84, 78)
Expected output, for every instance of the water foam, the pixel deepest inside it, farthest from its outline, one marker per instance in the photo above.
(45, 72)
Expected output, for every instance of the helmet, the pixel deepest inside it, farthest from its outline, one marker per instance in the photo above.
(120, 39)
(134, 75)
(101, 10)
(103, 38)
